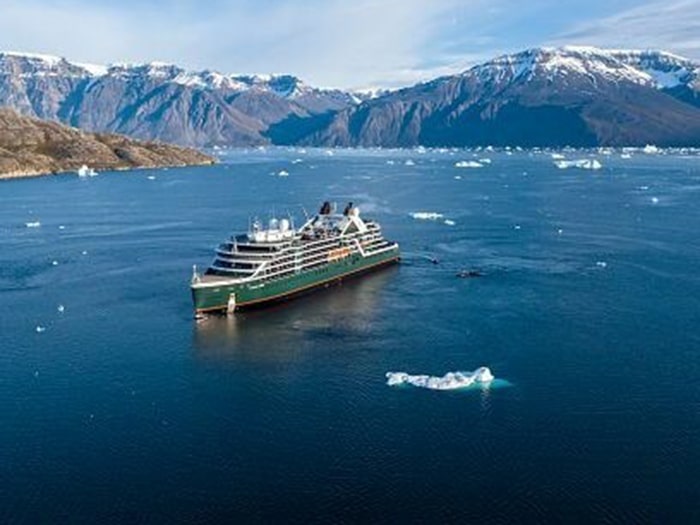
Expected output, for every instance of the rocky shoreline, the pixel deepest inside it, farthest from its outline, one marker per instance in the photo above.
(30, 148)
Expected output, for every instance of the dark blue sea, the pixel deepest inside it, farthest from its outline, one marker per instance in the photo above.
(121, 408)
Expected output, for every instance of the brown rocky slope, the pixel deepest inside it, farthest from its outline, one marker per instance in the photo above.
(30, 147)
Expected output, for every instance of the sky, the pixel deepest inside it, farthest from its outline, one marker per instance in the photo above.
(334, 43)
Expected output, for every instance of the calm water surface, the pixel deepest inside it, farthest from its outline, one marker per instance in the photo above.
(124, 410)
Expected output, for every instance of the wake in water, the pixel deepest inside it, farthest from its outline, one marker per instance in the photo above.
(450, 381)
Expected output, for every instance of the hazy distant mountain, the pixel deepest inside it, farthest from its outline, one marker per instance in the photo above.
(578, 96)
(159, 101)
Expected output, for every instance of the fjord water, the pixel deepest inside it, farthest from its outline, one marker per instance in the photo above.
(124, 409)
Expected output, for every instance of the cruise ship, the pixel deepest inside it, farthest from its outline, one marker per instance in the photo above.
(278, 262)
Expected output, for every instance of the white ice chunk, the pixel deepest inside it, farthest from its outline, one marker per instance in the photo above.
(468, 164)
(426, 215)
(450, 381)
(584, 164)
(409, 162)
(283, 173)
(34, 224)
(450, 222)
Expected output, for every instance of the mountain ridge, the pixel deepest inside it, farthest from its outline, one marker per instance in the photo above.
(543, 96)
(570, 96)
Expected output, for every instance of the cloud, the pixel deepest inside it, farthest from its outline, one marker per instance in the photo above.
(328, 42)
(671, 26)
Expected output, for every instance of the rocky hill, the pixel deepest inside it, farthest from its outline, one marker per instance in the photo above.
(160, 101)
(30, 147)
(576, 96)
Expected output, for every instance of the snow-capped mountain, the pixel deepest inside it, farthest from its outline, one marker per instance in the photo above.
(574, 95)
(158, 100)
(579, 96)
(648, 68)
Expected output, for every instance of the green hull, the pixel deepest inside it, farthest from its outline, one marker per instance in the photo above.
(216, 296)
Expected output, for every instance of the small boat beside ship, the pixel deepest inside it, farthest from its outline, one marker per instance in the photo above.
(278, 262)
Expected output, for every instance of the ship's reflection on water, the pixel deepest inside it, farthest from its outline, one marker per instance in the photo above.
(281, 332)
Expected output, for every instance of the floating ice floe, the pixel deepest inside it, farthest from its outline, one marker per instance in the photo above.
(390, 162)
(34, 224)
(650, 149)
(40, 329)
(458, 177)
(297, 161)
(601, 264)
(84, 252)
(54, 263)
(426, 215)
(409, 162)
(283, 173)
(85, 171)
(61, 308)
(625, 156)
(151, 177)
(468, 164)
(654, 200)
(557, 156)
(584, 164)
(485, 161)
(61, 227)
(482, 376)
(450, 222)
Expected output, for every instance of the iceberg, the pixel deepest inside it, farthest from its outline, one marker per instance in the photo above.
(84, 171)
(283, 173)
(426, 215)
(482, 376)
(584, 164)
(34, 224)
(468, 164)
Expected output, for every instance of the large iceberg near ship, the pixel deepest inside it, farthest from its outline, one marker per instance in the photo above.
(450, 381)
